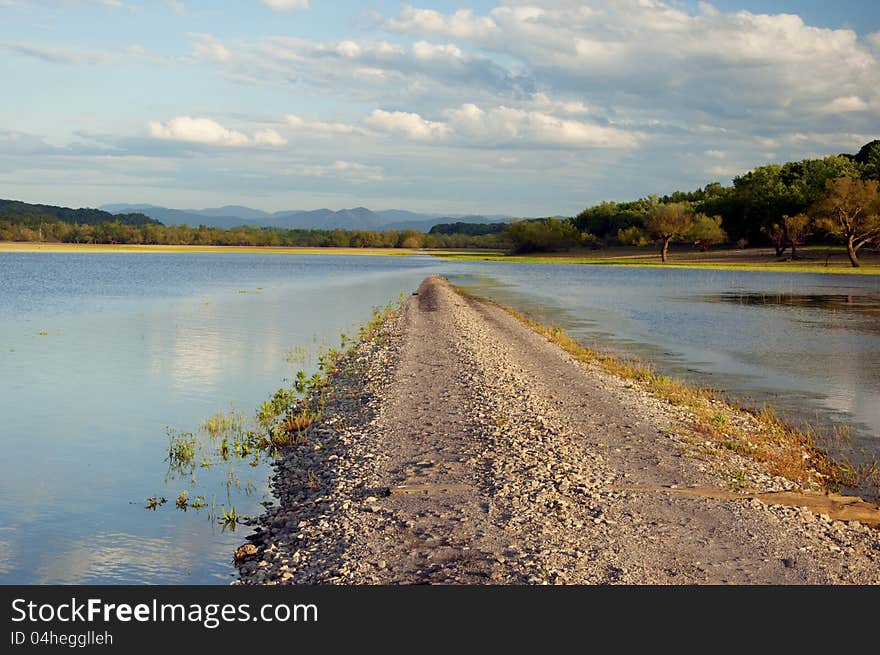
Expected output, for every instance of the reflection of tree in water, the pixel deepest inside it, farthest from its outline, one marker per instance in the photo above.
(831, 301)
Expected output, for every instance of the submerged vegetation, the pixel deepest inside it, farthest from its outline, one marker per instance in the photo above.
(230, 438)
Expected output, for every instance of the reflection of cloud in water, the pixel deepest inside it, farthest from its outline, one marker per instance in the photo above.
(115, 558)
(185, 346)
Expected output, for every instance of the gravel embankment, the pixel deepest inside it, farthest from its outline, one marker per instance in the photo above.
(461, 447)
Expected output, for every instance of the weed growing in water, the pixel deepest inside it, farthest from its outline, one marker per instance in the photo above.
(154, 501)
(284, 420)
(229, 519)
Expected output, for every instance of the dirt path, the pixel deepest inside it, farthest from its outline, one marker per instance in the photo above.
(461, 447)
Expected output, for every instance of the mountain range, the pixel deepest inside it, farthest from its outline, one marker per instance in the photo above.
(358, 218)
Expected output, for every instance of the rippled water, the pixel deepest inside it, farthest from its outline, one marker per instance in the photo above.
(99, 353)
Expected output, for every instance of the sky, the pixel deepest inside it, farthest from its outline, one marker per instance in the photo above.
(522, 108)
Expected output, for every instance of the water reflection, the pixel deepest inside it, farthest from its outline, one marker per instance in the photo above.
(118, 558)
(138, 343)
(830, 301)
(807, 344)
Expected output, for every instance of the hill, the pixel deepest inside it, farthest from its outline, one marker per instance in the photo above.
(28, 214)
(357, 218)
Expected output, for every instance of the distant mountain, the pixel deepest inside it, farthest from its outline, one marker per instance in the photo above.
(232, 211)
(181, 216)
(22, 212)
(357, 218)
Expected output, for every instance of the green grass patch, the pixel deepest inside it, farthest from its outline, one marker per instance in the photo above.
(814, 260)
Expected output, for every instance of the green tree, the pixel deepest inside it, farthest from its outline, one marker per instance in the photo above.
(797, 230)
(543, 235)
(706, 231)
(669, 222)
(869, 158)
(851, 210)
(632, 236)
(410, 239)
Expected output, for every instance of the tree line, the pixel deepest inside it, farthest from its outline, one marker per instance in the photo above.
(834, 198)
(38, 227)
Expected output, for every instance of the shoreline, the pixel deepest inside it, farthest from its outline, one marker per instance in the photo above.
(870, 268)
(767, 265)
(459, 445)
(27, 246)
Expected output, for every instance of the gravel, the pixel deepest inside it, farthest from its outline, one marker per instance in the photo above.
(460, 447)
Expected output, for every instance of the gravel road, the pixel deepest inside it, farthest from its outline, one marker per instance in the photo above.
(460, 447)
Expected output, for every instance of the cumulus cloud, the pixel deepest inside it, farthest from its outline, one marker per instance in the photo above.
(408, 124)
(269, 137)
(321, 128)
(503, 127)
(207, 131)
(286, 5)
(463, 24)
(635, 56)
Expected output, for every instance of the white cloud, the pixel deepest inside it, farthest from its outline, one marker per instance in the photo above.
(429, 51)
(286, 5)
(463, 24)
(269, 137)
(207, 47)
(197, 130)
(542, 102)
(351, 171)
(321, 128)
(845, 104)
(502, 127)
(646, 55)
(408, 124)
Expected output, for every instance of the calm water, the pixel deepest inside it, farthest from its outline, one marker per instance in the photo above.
(807, 344)
(100, 353)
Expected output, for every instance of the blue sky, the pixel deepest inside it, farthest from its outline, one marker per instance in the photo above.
(524, 108)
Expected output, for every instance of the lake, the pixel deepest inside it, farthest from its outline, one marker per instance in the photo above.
(102, 353)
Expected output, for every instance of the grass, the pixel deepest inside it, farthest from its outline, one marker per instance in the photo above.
(813, 259)
(801, 455)
(15, 246)
(219, 424)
